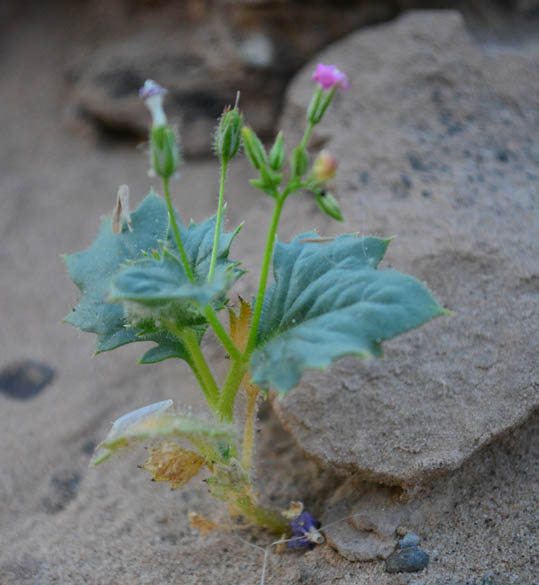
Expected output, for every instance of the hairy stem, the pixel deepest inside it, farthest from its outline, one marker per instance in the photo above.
(225, 407)
(207, 451)
(202, 371)
(268, 253)
(176, 230)
(251, 392)
(221, 333)
(306, 135)
(265, 517)
(218, 221)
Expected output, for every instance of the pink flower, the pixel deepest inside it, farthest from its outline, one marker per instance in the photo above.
(329, 76)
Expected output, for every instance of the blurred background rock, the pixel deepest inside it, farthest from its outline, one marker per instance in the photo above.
(205, 50)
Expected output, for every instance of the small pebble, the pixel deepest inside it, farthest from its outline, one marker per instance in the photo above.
(410, 539)
(407, 560)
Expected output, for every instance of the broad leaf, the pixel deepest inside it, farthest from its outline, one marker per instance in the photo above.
(168, 346)
(142, 265)
(92, 269)
(198, 242)
(160, 287)
(329, 300)
(152, 422)
(158, 282)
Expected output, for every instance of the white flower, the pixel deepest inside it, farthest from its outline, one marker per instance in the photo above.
(152, 94)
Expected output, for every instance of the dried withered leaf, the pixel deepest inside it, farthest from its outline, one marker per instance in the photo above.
(295, 509)
(239, 325)
(202, 524)
(121, 211)
(170, 462)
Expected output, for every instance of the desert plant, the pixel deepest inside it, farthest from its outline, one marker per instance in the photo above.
(149, 277)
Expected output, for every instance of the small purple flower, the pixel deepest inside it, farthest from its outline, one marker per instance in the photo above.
(305, 530)
(150, 88)
(152, 94)
(329, 76)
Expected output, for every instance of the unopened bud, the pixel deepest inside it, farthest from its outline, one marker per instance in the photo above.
(276, 155)
(164, 151)
(228, 135)
(299, 162)
(254, 149)
(328, 204)
(325, 167)
(319, 104)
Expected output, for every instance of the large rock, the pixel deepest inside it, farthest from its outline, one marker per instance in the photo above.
(438, 147)
(205, 51)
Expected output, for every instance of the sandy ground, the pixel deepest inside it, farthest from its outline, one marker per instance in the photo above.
(62, 523)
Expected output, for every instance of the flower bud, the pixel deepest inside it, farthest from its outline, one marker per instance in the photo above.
(164, 152)
(328, 204)
(319, 104)
(276, 155)
(299, 162)
(228, 135)
(254, 149)
(325, 167)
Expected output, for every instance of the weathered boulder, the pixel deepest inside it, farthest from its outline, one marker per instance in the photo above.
(437, 143)
(205, 51)
(364, 520)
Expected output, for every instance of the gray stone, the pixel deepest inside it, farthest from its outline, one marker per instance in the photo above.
(362, 520)
(427, 103)
(408, 560)
(410, 539)
(203, 53)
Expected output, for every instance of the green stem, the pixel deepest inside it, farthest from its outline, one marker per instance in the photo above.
(221, 333)
(251, 392)
(176, 231)
(225, 407)
(268, 253)
(205, 449)
(209, 387)
(305, 138)
(265, 517)
(218, 221)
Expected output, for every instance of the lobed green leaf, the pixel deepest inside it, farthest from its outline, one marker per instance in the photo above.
(92, 269)
(329, 300)
(130, 283)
